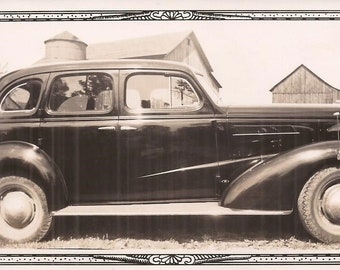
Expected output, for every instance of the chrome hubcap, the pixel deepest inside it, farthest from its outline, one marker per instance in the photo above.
(331, 203)
(17, 209)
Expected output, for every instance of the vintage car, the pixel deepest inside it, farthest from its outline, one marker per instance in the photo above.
(145, 137)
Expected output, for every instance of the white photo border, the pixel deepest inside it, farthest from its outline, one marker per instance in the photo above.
(99, 258)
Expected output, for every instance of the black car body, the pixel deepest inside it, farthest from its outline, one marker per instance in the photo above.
(105, 137)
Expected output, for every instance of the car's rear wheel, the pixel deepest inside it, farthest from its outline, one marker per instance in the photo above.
(319, 205)
(24, 214)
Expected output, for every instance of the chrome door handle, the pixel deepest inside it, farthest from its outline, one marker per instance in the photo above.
(127, 128)
(107, 128)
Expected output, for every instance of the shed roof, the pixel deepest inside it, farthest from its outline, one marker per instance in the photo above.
(302, 67)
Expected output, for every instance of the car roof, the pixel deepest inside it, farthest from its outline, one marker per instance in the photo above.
(93, 64)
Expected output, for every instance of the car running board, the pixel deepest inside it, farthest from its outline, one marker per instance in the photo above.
(162, 209)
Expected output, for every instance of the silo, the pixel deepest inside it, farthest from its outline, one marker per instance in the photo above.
(64, 47)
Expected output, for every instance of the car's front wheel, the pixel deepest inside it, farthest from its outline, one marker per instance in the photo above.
(319, 205)
(24, 214)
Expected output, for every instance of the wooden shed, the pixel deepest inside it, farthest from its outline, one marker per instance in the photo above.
(304, 86)
(181, 47)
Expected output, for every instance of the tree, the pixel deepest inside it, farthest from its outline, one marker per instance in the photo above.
(94, 84)
(185, 92)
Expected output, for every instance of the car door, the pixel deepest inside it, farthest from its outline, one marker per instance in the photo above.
(19, 114)
(167, 138)
(79, 132)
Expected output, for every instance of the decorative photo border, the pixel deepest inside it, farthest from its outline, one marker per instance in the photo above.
(167, 259)
(163, 15)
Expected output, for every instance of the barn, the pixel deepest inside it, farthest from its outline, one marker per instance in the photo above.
(304, 86)
(181, 47)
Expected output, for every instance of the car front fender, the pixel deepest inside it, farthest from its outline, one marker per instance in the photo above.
(275, 183)
(22, 157)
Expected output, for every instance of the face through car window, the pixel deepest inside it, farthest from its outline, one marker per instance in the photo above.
(81, 93)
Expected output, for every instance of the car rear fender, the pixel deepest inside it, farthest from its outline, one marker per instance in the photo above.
(28, 160)
(275, 183)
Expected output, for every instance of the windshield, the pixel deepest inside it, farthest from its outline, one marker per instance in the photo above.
(213, 94)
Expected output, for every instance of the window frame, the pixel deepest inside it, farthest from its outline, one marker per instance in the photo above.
(164, 73)
(8, 89)
(57, 75)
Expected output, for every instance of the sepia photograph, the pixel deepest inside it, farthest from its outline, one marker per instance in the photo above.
(143, 134)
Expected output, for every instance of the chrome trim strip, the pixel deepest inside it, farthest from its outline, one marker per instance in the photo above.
(196, 167)
(193, 209)
(266, 134)
(209, 165)
(262, 157)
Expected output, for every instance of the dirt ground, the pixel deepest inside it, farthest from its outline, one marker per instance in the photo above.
(179, 233)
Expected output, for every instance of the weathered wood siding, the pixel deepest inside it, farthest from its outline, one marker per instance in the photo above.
(187, 53)
(303, 86)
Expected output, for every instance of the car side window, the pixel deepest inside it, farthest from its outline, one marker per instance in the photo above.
(22, 97)
(90, 92)
(155, 91)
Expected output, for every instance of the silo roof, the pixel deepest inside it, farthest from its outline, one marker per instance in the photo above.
(65, 36)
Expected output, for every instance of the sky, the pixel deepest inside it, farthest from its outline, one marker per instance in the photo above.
(248, 57)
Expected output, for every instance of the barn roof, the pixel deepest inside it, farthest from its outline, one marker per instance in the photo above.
(296, 70)
(151, 46)
(156, 46)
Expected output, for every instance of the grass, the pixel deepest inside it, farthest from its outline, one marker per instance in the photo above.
(209, 234)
